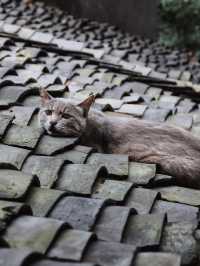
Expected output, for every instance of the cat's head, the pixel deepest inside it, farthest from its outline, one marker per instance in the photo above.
(63, 117)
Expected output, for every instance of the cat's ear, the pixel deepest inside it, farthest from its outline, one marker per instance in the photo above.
(86, 104)
(45, 96)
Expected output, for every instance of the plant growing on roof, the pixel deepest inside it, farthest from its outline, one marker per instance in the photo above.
(180, 23)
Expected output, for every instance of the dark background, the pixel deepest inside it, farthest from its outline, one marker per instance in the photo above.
(135, 16)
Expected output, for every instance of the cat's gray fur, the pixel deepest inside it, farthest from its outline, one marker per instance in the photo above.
(175, 150)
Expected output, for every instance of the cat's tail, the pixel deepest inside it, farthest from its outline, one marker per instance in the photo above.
(186, 170)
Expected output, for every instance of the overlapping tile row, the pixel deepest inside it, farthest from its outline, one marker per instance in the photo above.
(113, 44)
(65, 204)
(27, 68)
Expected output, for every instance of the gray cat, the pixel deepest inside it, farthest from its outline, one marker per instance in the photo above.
(175, 150)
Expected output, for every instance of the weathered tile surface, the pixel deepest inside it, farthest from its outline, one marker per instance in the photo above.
(141, 199)
(141, 173)
(157, 259)
(80, 213)
(176, 212)
(78, 178)
(109, 253)
(179, 238)
(48, 262)
(78, 154)
(44, 167)
(14, 184)
(116, 164)
(129, 80)
(51, 145)
(14, 256)
(10, 209)
(25, 137)
(38, 233)
(136, 110)
(110, 226)
(42, 200)
(144, 230)
(70, 245)
(12, 157)
(181, 195)
(113, 190)
(5, 121)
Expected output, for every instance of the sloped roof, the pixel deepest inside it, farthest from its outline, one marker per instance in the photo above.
(62, 203)
(117, 45)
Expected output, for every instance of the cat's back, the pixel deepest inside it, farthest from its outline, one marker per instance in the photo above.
(162, 137)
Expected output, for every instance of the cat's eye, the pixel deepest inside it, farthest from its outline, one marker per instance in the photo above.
(66, 116)
(48, 112)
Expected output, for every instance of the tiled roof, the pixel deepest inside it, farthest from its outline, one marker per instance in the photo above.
(112, 43)
(62, 204)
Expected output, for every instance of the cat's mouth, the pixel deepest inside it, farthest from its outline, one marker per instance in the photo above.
(54, 132)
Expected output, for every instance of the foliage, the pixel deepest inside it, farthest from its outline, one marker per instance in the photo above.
(180, 23)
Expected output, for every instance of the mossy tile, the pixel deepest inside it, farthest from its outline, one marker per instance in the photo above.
(42, 200)
(25, 137)
(10, 209)
(179, 238)
(38, 233)
(14, 184)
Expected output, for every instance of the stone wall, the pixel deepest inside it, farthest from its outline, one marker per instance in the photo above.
(135, 16)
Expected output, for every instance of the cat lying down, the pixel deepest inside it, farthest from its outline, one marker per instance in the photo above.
(175, 150)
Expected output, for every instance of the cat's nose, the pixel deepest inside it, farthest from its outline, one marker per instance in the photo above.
(52, 125)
